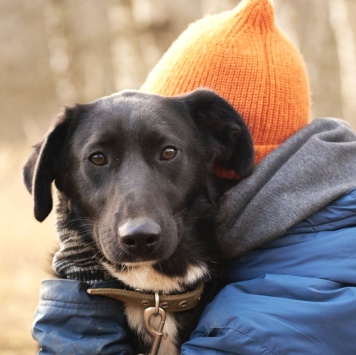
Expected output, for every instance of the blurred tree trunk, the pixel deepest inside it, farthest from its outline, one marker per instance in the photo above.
(141, 32)
(307, 23)
(341, 23)
(82, 60)
(27, 93)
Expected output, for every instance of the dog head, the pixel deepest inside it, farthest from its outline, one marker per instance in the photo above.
(135, 166)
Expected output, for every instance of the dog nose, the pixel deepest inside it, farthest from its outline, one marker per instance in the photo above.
(139, 235)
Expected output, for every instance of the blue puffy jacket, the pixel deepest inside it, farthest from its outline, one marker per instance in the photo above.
(297, 295)
(283, 299)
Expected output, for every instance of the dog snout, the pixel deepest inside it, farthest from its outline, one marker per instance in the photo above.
(139, 236)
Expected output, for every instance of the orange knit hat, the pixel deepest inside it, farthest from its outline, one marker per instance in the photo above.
(246, 59)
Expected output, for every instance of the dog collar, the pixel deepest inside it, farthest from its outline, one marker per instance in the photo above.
(169, 302)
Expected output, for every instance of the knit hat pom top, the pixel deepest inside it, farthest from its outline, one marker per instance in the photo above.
(245, 58)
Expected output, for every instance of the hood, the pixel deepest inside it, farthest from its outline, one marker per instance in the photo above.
(309, 170)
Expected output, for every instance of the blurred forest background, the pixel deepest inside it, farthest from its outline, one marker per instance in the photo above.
(58, 52)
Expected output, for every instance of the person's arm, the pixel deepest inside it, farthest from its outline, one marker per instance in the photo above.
(70, 321)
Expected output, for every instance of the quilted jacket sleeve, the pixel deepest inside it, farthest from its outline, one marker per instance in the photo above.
(278, 314)
(69, 321)
(296, 295)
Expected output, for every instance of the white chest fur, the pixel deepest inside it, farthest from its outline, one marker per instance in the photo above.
(145, 277)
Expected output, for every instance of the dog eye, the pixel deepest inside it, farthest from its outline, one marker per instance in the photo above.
(98, 159)
(168, 153)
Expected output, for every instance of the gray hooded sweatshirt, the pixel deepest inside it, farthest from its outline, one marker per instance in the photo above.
(305, 173)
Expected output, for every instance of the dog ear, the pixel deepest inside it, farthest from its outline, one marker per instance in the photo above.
(232, 138)
(42, 166)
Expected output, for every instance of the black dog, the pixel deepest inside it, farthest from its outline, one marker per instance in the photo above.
(139, 167)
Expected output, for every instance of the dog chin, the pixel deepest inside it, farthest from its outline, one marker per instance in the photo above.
(143, 276)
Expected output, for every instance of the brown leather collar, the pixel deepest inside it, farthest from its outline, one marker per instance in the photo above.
(170, 303)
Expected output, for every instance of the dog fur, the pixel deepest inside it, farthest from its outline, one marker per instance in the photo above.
(138, 169)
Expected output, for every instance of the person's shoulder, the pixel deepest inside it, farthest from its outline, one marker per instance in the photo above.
(337, 214)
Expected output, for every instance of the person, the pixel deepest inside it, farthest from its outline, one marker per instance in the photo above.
(287, 232)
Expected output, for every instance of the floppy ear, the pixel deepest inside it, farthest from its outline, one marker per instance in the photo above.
(42, 166)
(232, 139)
